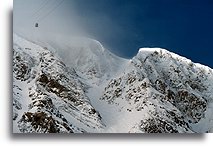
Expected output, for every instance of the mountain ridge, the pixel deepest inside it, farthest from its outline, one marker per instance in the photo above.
(155, 91)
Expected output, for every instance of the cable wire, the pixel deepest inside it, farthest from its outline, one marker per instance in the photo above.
(47, 14)
(36, 12)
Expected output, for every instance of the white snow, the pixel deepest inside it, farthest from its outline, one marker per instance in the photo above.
(24, 99)
(85, 55)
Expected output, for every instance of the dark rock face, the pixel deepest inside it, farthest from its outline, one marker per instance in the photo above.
(22, 64)
(41, 122)
(191, 106)
(157, 126)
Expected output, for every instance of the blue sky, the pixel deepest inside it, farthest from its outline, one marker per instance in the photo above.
(123, 26)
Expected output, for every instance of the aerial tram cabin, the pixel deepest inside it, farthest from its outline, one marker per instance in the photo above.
(36, 14)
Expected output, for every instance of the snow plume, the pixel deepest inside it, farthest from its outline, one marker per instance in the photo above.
(61, 20)
(61, 25)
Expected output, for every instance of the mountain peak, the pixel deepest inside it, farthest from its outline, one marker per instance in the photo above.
(159, 51)
(86, 88)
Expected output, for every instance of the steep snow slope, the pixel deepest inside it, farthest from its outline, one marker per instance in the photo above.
(76, 85)
(164, 93)
(47, 95)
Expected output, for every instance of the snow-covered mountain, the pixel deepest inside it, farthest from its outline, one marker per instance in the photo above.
(86, 88)
(48, 96)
